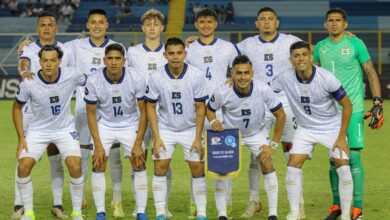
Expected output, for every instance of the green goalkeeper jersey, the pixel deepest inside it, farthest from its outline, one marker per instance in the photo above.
(345, 59)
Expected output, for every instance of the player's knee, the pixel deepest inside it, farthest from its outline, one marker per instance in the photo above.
(267, 166)
(197, 168)
(341, 162)
(161, 167)
(296, 160)
(24, 168)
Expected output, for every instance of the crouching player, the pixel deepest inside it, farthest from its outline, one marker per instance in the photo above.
(112, 94)
(50, 94)
(243, 106)
(313, 93)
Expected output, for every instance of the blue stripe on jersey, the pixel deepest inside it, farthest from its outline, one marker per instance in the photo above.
(20, 101)
(339, 93)
(276, 108)
(46, 82)
(150, 100)
(109, 80)
(181, 75)
(29, 60)
(40, 45)
(242, 95)
(202, 99)
(211, 43)
(210, 108)
(271, 41)
(156, 50)
(101, 46)
(311, 77)
(90, 102)
(139, 99)
(238, 50)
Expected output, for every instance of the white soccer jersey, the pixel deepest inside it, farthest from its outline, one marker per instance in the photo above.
(314, 102)
(144, 60)
(245, 112)
(116, 102)
(176, 97)
(213, 60)
(50, 102)
(86, 57)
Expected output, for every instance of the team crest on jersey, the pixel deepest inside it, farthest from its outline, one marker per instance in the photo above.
(96, 61)
(345, 51)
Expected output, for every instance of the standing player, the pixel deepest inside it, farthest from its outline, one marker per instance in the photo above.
(244, 106)
(113, 93)
(145, 58)
(269, 52)
(179, 90)
(347, 58)
(28, 65)
(213, 57)
(87, 57)
(50, 94)
(312, 92)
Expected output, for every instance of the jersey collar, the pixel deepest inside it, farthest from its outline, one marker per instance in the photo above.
(156, 50)
(242, 95)
(109, 80)
(311, 77)
(46, 82)
(181, 74)
(211, 43)
(38, 43)
(271, 41)
(101, 46)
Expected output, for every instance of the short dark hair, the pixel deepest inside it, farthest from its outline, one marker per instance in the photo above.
(299, 45)
(336, 11)
(173, 41)
(114, 47)
(266, 9)
(206, 12)
(45, 14)
(98, 11)
(242, 59)
(55, 48)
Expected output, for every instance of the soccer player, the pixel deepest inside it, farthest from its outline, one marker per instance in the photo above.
(145, 58)
(87, 57)
(113, 93)
(50, 94)
(28, 66)
(244, 106)
(312, 92)
(179, 90)
(347, 58)
(269, 52)
(213, 56)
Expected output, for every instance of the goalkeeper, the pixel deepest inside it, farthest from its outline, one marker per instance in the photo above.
(347, 58)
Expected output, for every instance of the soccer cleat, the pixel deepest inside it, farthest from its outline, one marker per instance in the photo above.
(251, 209)
(142, 216)
(223, 218)
(192, 213)
(302, 214)
(18, 212)
(28, 215)
(58, 212)
(272, 217)
(357, 214)
(334, 212)
(84, 205)
(101, 216)
(77, 215)
(161, 217)
(117, 210)
(201, 217)
(168, 213)
(292, 216)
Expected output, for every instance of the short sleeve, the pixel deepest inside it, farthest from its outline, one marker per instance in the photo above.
(71, 53)
(152, 92)
(333, 86)
(361, 49)
(26, 53)
(234, 52)
(215, 101)
(130, 58)
(22, 93)
(276, 83)
(200, 92)
(271, 100)
(90, 93)
(241, 47)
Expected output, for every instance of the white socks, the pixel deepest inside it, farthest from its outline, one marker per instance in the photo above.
(220, 196)
(116, 173)
(345, 188)
(99, 190)
(141, 190)
(18, 198)
(57, 178)
(199, 189)
(26, 192)
(159, 185)
(293, 184)
(271, 188)
(169, 181)
(76, 192)
(254, 179)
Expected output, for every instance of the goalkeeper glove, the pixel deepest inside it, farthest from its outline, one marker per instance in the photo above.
(376, 114)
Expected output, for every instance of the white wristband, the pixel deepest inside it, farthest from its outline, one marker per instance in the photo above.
(24, 71)
(212, 122)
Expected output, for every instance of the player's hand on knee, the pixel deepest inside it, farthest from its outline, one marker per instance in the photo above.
(157, 144)
(216, 125)
(266, 153)
(198, 147)
(138, 156)
(342, 145)
(22, 144)
(22, 44)
(99, 156)
(190, 39)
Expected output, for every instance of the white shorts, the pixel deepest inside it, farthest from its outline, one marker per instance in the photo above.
(289, 127)
(255, 142)
(66, 142)
(126, 137)
(304, 141)
(183, 138)
(82, 128)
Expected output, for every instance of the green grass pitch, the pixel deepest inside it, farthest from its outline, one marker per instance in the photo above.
(316, 185)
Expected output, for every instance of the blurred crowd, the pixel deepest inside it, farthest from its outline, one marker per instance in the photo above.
(225, 12)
